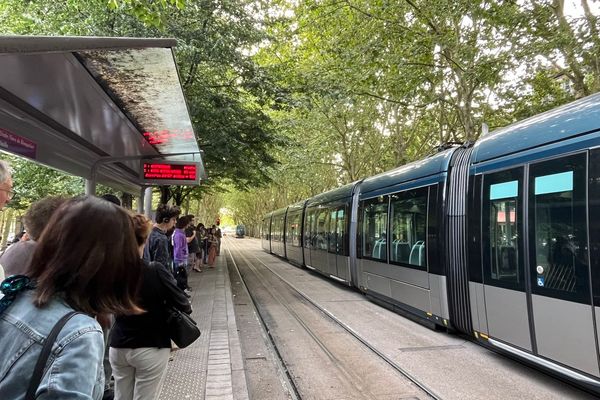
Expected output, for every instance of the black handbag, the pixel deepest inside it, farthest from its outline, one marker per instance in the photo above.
(183, 330)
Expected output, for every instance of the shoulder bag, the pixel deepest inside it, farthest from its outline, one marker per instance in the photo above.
(183, 330)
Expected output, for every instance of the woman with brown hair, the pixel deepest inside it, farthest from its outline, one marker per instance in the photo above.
(140, 344)
(77, 266)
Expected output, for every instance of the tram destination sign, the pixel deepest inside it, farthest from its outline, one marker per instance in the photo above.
(162, 172)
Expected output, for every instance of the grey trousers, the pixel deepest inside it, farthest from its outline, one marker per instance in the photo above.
(138, 373)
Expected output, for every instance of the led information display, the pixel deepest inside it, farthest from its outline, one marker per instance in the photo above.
(172, 173)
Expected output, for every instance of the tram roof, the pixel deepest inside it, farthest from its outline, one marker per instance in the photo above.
(332, 195)
(390, 180)
(579, 117)
(70, 102)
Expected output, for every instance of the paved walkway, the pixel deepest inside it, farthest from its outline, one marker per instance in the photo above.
(212, 367)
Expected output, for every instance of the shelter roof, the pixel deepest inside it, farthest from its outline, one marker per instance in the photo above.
(75, 102)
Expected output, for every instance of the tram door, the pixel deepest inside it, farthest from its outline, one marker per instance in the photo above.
(332, 245)
(309, 233)
(342, 260)
(318, 252)
(503, 258)
(559, 263)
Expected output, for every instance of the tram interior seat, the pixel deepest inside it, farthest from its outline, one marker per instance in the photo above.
(417, 254)
(380, 249)
(401, 251)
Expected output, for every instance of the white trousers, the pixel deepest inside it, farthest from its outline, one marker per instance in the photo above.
(139, 372)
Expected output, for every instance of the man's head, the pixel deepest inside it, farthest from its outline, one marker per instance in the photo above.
(166, 216)
(6, 184)
(183, 222)
(192, 219)
(38, 215)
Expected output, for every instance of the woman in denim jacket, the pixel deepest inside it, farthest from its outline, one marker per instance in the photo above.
(76, 266)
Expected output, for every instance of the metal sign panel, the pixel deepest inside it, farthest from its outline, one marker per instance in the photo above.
(17, 145)
(163, 172)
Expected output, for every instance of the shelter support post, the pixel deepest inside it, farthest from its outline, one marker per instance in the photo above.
(148, 201)
(140, 201)
(90, 187)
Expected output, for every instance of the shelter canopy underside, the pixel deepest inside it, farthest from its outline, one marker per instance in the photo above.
(77, 101)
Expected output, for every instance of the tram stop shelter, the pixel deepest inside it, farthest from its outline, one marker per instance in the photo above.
(110, 110)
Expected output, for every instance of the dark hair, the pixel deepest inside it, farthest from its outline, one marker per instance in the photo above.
(112, 198)
(94, 270)
(182, 222)
(165, 212)
(142, 227)
(38, 215)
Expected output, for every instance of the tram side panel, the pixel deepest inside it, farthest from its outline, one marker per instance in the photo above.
(399, 254)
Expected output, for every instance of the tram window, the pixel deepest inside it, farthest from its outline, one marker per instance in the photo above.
(293, 228)
(332, 233)
(321, 224)
(374, 226)
(502, 227)
(309, 228)
(341, 232)
(409, 228)
(275, 232)
(558, 228)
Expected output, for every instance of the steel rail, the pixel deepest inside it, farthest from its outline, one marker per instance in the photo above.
(355, 334)
(294, 392)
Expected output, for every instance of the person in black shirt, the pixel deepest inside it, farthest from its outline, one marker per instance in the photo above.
(140, 344)
(157, 248)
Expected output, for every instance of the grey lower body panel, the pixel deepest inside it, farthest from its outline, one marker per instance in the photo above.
(384, 279)
(438, 292)
(478, 313)
(319, 261)
(294, 254)
(343, 268)
(565, 333)
(507, 316)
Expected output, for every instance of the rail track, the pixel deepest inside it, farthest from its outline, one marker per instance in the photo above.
(348, 364)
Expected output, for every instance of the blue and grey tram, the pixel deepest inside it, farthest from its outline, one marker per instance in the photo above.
(498, 240)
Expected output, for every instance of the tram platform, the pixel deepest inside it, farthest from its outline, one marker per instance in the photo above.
(211, 368)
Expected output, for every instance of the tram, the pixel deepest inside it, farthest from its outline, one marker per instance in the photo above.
(240, 231)
(497, 239)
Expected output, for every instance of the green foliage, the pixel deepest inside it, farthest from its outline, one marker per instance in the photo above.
(33, 181)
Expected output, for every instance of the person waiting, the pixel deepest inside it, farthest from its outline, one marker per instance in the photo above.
(140, 344)
(17, 257)
(74, 265)
(180, 252)
(157, 247)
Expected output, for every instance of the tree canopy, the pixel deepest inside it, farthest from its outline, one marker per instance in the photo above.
(290, 98)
